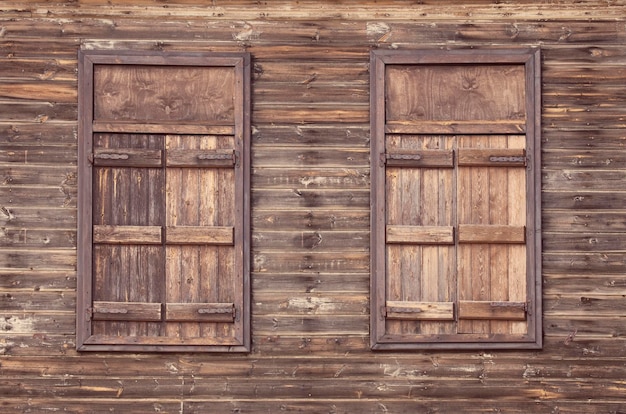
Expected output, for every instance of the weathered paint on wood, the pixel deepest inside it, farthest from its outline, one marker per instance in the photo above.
(310, 210)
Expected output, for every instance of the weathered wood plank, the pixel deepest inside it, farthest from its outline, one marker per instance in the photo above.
(38, 134)
(34, 238)
(583, 200)
(52, 91)
(305, 241)
(309, 157)
(312, 177)
(40, 154)
(318, 135)
(38, 323)
(325, 325)
(302, 198)
(606, 263)
(63, 70)
(199, 235)
(46, 217)
(420, 234)
(37, 111)
(491, 233)
(37, 259)
(583, 221)
(37, 279)
(572, 160)
(307, 282)
(336, 303)
(14, 300)
(309, 262)
(309, 219)
(585, 140)
(585, 242)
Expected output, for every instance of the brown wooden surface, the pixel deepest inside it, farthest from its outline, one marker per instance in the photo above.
(310, 348)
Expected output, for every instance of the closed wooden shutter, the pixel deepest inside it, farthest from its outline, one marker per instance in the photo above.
(163, 210)
(455, 199)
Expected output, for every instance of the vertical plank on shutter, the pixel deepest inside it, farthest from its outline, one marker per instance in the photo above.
(474, 269)
(499, 253)
(226, 276)
(437, 278)
(393, 197)
(492, 271)
(209, 259)
(173, 253)
(201, 197)
(420, 196)
(132, 197)
(517, 201)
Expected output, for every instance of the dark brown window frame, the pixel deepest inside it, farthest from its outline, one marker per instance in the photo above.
(240, 63)
(380, 59)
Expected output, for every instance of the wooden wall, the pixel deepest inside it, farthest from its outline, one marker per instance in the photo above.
(310, 194)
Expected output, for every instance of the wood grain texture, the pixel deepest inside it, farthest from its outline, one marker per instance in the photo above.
(310, 157)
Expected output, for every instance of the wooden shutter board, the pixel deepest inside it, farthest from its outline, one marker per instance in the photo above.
(223, 235)
(508, 158)
(419, 158)
(201, 158)
(127, 157)
(491, 233)
(126, 311)
(214, 128)
(108, 234)
(493, 310)
(455, 127)
(420, 234)
(236, 129)
(200, 312)
(427, 311)
(492, 157)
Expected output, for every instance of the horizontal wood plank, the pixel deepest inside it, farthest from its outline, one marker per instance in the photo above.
(416, 311)
(115, 157)
(126, 311)
(200, 235)
(513, 311)
(420, 234)
(491, 233)
(161, 128)
(491, 157)
(200, 158)
(108, 234)
(423, 159)
(455, 127)
(200, 312)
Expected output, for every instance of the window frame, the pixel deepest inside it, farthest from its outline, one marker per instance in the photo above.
(379, 60)
(240, 64)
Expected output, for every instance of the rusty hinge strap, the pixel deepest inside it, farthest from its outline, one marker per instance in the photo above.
(113, 156)
(495, 158)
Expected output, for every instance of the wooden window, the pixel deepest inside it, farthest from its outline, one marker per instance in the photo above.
(163, 244)
(455, 161)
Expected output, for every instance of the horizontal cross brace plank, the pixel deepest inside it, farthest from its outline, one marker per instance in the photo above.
(127, 158)
(201, 158)
(162, 128)
(420, 234)
(496, 157)
(517, 126)
(404, 310)
(200, 312)
(127, 234)
(223, 235)
(420, 159)
(479, 233)
(510, 311)
(126, 311)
